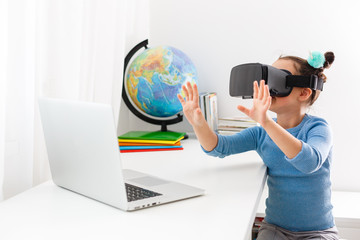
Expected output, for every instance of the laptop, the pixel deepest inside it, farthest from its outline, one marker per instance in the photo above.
(84, 157)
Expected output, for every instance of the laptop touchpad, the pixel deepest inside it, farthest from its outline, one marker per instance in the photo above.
(148, 181)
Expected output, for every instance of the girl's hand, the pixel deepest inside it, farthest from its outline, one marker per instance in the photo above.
(190, 105)
(261, 104)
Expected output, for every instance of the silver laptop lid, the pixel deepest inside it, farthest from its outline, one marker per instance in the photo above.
(83, 149)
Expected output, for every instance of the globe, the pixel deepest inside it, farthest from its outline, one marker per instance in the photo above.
(155, 77)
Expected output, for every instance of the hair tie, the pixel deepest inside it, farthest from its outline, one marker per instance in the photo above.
(316, 59)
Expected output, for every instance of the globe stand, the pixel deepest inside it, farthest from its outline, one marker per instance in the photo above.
(164, 123)
(164, 128)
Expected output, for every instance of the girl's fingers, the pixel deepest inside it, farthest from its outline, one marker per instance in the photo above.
(181, 99)
(268, 102)
(196, 92)
(243, 109)
(186, 92)
(261, 90)
(190, 91)
(266, 93)
(256, 90)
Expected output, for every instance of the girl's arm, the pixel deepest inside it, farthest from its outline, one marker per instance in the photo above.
(288, 144)
(207, 138)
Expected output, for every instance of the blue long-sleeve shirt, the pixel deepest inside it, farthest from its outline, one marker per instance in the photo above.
(299, 188)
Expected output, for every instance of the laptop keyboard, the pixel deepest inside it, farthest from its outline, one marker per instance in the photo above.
(136, 193)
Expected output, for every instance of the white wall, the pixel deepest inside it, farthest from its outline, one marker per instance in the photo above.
(218, 35)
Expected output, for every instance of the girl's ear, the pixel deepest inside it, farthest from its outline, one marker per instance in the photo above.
(305, 94)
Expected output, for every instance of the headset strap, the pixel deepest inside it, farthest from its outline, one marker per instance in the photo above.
(313, 82)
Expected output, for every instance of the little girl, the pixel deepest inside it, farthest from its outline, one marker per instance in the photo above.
(296, 148)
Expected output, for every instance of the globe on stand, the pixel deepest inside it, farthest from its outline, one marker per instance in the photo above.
(153, 80)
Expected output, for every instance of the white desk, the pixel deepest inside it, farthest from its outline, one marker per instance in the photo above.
(233, 189)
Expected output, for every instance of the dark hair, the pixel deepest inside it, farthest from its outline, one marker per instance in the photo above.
(305, 69)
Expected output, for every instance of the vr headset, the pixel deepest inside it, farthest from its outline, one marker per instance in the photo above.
(280, 81)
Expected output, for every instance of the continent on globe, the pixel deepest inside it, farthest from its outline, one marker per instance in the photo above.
(156, 76)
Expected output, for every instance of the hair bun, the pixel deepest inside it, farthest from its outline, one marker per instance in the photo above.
(329, 59)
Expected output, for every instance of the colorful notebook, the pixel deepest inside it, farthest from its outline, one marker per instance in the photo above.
(144, 141)
(146, 135)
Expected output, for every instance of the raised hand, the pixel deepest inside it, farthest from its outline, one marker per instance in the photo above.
(190, 105)
(207, 138)
(261, 103)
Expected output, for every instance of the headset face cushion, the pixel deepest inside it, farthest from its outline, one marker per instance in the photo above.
(276, 81)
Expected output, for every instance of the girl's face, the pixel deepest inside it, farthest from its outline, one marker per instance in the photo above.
(288, 103)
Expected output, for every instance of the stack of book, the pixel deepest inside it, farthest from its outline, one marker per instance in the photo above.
(144, 141)
(232, 125)
(208, 106)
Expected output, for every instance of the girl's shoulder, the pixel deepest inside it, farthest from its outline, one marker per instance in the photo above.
(314, 120)
(314, 125)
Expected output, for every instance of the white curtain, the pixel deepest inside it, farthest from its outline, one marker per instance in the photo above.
(71, 49)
